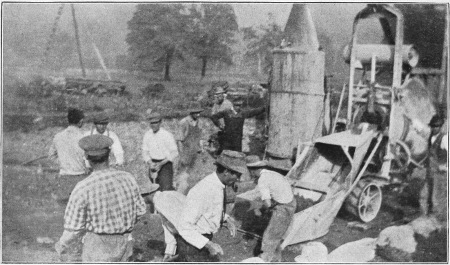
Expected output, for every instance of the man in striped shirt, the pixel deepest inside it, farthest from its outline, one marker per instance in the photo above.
(104, 207)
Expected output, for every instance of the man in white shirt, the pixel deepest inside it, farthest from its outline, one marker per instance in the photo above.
(276, 193)
(101, 127)
(203, 213)
(70, 156)
(159, 151)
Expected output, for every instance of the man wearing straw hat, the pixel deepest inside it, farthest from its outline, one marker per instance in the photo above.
(104, 207)
(276, 193)
(159, 151)
(202, 213)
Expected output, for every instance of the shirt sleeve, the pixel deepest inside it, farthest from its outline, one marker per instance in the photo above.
(253, 112)
(52, 153)
(140, 203)
(444, 142)
(172, 148)
(192, 212)
(216, 117)
(184, 128)
(75, 215)
(117, 148)
(145, 149)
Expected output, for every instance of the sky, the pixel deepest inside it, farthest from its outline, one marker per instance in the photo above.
(251, 14)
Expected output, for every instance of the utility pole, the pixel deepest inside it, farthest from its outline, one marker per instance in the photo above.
(77, 37)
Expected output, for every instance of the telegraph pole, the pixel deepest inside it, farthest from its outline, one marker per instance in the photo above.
(77, 37)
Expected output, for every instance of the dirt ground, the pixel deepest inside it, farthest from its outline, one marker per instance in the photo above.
(30, 214)
(33, 221)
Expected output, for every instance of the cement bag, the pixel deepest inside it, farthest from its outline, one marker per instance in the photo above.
(253, 260)
(415, 105)
(170, 205)
(357, 251)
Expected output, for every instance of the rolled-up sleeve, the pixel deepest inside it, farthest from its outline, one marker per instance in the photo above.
(172, 148)
(75, 215)
(117, 149)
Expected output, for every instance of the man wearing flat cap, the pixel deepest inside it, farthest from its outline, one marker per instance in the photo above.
(160, 152)
(104, 207)
(101, 122)
(276, 193)
(203, 213)
(434, 193)
(233, 128)
(70, 157)
(189, 138)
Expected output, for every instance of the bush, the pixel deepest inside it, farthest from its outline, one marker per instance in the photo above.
(153, 91)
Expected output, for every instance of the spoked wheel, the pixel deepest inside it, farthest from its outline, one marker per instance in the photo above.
(401, 157)
(364, 201)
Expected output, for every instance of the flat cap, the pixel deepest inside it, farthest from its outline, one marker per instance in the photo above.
(220, 90)
(223, 84)
(436, 121)
(232, 160)
(195, 110)
(101, 118)
(95, 145)
(154, 117)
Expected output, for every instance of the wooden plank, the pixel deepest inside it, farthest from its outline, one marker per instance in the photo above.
(311, 186)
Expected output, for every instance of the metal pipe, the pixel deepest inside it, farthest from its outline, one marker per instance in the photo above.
(339, 108)
(249, 233)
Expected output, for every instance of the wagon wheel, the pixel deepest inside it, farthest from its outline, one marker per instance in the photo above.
(401, 157)
(364, 201)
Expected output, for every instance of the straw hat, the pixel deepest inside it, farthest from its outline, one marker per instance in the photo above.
(232, 160)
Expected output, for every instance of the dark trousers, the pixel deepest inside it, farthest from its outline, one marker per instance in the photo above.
(165, 176)
(189, 253)
(65, 185)
(229, 142)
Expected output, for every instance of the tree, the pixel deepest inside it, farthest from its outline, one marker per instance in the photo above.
(263, 42)
(211, 32)
(156, 34)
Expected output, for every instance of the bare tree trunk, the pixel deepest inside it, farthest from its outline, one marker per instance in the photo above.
(259, 64)
(169, 56)
(204, 62)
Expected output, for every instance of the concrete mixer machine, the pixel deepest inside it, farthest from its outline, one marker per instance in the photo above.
(395, 83)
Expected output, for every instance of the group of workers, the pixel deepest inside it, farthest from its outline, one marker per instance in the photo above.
(103, 204)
